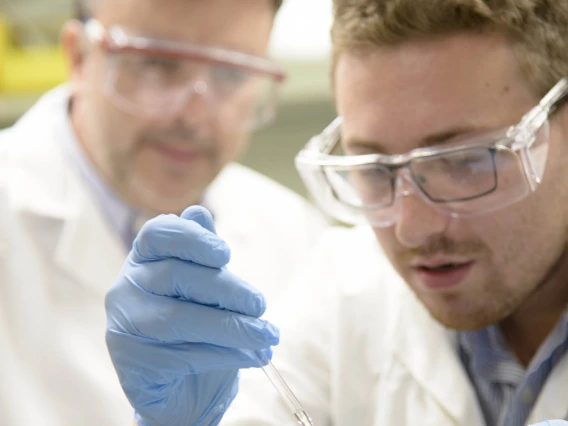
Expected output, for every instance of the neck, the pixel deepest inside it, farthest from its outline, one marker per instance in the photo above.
(526, 330)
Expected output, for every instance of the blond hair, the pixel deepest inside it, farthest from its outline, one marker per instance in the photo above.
(538, 29)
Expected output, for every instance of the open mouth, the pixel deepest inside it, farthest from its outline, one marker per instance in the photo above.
(444, 275)
(442, 268)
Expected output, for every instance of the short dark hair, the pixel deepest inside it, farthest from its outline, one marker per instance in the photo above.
(84, 8)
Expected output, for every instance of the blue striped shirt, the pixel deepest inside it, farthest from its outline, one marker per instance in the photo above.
(506, 390)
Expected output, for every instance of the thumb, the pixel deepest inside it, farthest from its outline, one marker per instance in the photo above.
(200, 215)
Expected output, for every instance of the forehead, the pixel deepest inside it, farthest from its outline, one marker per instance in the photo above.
(241, 25)
(400, 95)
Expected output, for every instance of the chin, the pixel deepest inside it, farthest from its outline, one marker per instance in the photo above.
(177, 205)
(462, 320)
(160, 202)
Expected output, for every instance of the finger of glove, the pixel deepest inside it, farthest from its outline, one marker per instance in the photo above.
(192, 282)
(172, 320)
(200, 215)
(139, 360)
(552, 423)
(171, 236)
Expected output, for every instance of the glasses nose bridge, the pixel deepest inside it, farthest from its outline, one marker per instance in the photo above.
(197, 80)
(404, 184)
(197, 88)
(195, 104)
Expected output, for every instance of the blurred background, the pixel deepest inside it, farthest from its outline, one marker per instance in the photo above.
(31, 63)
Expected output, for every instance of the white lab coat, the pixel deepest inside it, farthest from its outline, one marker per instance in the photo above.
(58, 257)
(359, 349)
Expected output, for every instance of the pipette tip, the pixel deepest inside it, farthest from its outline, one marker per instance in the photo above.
(303, 418)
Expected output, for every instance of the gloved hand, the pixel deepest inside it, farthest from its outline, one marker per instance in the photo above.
(552, 423)
(180, 326)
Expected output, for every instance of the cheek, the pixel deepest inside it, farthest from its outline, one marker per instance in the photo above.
(501, 233)
(554, 187)
(550, 204)
(388, 242)
(123, 131)
(111, 128)
(232, 146)
(524, 238)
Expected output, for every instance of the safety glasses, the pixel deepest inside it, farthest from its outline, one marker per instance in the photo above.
(467, 177)
(158, 78)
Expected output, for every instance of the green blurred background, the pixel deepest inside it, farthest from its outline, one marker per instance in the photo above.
(32, 26)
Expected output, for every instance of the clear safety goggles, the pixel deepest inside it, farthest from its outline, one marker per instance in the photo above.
(158, 78)
(471, 176)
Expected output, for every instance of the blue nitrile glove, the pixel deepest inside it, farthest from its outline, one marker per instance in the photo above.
(552, 423)
(180, 326)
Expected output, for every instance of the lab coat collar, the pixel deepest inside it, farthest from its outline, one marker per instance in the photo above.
(50, 191)
(552, 403)
(429, 352)
(88, 250)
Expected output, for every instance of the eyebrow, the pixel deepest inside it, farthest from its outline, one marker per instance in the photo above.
(430, 140)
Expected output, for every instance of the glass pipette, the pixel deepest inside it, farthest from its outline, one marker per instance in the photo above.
(283, 389)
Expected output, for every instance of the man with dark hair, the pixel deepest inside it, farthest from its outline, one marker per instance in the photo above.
(161, 99)
(449, 304)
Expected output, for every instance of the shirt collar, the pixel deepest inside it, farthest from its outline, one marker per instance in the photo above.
(486, 350)
(557, 336)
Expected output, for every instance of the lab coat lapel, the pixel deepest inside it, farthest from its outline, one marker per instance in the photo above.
(87, 249)
(428, 351)
(51, 195)
(73, 230)
(553, 400)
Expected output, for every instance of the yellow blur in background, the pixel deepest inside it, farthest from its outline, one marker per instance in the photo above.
(26, 70)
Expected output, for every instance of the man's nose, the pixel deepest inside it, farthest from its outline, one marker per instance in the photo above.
(196, 109)
(418, 220)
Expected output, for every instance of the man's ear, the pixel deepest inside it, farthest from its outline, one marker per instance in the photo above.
(72, 42)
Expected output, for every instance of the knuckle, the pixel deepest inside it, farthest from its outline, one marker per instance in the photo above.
(152, 234)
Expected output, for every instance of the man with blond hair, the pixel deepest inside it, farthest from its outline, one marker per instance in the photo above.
(448, 304)
(161, 100)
